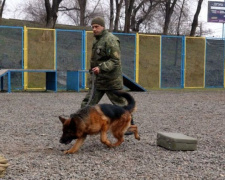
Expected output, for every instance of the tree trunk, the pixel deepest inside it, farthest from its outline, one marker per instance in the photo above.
(51, 12)
(169, 12)
(135, 23)
(118, 9)
(133, 17)
(48, 12)
(82, 4)
(1, 10)
(128, 11)
(181, 12)
(195, 21)
(111, 16)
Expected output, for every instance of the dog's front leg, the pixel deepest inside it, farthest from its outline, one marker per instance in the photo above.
(104, 138)
(134, 129)
(76, 146)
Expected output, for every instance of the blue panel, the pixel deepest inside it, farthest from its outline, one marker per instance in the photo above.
(171, 62)
(128, 53)
(70, 55)
(73, 80)
(11, 52)
(214, 68)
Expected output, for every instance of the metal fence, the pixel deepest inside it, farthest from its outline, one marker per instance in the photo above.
(11, 52)
(214, 65)
(70, 54)
(153, 61)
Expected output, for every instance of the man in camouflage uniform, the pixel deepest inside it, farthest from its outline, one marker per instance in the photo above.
(106, 65)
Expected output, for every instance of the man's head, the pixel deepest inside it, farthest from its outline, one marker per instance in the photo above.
(98, 25)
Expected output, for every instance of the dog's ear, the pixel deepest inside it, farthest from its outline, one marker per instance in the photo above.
(62, 119)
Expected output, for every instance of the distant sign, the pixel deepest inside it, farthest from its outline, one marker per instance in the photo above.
(216, 11)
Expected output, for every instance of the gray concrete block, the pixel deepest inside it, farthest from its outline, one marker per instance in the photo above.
(176, 141)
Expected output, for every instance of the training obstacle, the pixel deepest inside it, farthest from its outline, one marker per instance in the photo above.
(132, 85)
(176, 141)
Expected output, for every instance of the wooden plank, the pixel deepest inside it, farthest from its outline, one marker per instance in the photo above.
(3, 71)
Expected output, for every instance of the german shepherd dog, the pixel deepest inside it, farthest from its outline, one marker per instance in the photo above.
(99, 118)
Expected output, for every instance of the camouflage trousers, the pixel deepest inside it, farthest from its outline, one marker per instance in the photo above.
(97, 96)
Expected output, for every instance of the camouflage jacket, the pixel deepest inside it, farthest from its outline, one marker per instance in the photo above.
(106, 55)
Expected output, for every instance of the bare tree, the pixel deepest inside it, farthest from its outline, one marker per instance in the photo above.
(148, 16)
(95, 10)
(78, 12)
(111, 16)
(145, 6)
(51, 12)
(73, 11)
(118, 10)
(195, 20)
(169, 8)
(129, 4)
(1, 9)
(82, 4)
(179, 21)
(35, 12)
(134, 23)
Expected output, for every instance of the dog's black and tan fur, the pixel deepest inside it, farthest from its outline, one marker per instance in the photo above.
(99, 119)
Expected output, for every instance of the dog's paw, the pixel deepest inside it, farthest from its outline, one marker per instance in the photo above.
(138, 138)
(69, 152)
(65, 152)
(110, 145)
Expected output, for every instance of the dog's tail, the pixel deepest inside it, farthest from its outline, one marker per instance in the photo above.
(131, 104)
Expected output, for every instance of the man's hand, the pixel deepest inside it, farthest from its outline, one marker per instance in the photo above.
(96, 70)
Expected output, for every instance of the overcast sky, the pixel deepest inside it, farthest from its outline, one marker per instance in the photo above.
(12, 5)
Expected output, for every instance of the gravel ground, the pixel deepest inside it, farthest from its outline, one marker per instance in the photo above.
(30, 132)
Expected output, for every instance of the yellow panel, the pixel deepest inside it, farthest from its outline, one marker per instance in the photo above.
(25, 57)
(40, 55)
(195, 62)
(89, 41)
(137, 58)
(149, 63)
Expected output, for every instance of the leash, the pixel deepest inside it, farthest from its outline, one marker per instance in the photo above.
(93, 78)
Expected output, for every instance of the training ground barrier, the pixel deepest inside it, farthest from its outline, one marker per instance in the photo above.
(150, 61)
